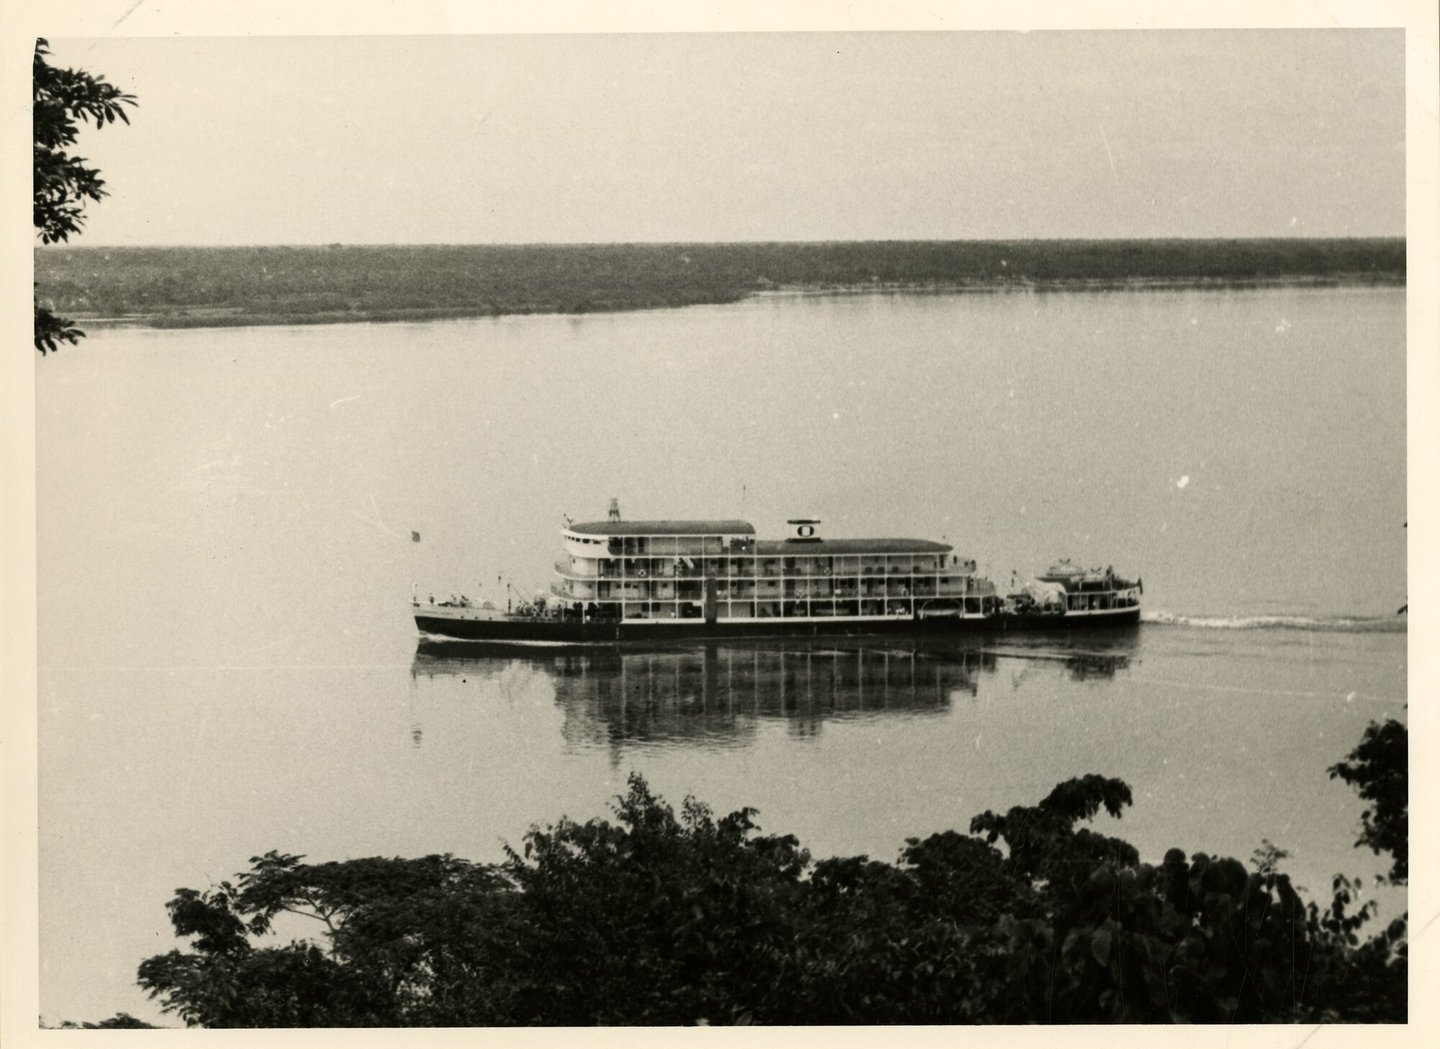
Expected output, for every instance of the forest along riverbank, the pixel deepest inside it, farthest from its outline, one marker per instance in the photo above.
(185, 287)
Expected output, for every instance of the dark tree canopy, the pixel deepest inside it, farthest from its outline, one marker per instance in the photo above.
(659, 918)
(119, 1022)
(63, 100)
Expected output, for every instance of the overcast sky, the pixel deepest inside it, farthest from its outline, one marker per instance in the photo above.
(795, 136)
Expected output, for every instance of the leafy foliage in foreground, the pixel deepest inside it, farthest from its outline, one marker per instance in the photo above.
(654, 918)
(63, 100)
(1378, 769)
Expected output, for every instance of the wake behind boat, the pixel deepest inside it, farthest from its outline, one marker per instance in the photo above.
(682, 580)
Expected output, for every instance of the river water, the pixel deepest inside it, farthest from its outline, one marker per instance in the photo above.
(226, 556)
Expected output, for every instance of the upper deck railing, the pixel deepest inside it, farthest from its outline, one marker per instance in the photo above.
(757, 565)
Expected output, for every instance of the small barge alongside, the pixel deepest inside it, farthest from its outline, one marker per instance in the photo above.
(670, 580)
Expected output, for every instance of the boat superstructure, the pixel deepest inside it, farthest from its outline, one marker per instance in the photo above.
(688, 579)
(676, 571)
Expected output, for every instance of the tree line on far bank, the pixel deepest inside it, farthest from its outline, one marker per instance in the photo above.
(654, 918)
(197, 286)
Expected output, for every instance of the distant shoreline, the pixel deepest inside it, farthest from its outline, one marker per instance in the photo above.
(161, 320)
(256, 287)
(1073, 284)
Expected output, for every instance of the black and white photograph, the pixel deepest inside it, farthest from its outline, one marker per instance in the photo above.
(678, 522)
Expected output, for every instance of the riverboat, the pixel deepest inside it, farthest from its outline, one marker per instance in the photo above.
(686, 580)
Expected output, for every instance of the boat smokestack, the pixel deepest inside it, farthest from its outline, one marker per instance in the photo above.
(803, 530)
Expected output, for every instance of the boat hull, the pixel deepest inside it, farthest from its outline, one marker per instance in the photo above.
(519, 630)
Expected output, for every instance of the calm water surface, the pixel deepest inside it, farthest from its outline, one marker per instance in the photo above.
(227, 664)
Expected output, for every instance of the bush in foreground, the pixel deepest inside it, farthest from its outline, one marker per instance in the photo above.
(654, 918)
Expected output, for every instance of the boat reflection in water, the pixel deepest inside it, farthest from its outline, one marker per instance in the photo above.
(718, 694)
(1089, 656)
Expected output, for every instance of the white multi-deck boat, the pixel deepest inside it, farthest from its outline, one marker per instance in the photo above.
(694, 580)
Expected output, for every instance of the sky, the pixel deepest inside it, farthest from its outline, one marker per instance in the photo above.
(749, 136)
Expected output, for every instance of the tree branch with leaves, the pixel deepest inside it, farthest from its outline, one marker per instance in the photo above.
(1379, 770)
(63, 184)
